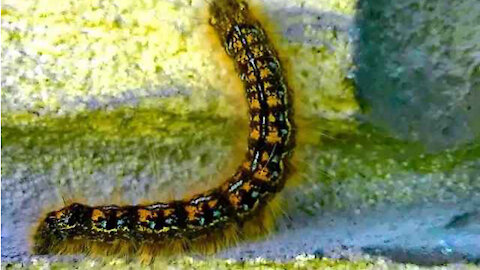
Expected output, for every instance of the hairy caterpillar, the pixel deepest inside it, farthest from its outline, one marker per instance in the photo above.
(239, 198)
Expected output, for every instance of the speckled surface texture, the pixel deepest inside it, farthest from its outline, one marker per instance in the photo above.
(419, 68)
(97, 104)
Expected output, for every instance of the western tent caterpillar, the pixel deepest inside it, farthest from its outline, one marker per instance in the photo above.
(257, 179)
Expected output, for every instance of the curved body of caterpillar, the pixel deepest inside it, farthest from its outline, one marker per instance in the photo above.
(256, 180)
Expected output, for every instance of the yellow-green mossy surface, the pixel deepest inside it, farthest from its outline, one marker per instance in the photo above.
(131, 100)
(77, 55)
(301, 262)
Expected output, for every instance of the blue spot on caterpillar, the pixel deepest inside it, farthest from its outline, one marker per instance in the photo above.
(242, 196)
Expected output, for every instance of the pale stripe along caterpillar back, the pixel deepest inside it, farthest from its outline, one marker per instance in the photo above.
(262, 174)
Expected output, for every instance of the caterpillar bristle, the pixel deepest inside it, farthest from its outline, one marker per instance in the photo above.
(209, 243)
(242, 207)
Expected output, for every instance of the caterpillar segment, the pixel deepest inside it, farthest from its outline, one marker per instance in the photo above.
(239, 198)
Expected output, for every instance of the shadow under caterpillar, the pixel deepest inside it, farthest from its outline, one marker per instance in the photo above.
(240, 198)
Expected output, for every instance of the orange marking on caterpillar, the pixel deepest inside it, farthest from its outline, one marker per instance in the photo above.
(59, 214)
(180, 223)
(272, 101)
(168, 212)
(255, 134)
(191, 211)
(255, 104)
(212, 203)
(252, 77)
(145, 215)
(262, 174)
(234, 199)
(96, 214)
(246, 186)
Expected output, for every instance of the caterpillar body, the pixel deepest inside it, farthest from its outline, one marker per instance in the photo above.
(239, 198)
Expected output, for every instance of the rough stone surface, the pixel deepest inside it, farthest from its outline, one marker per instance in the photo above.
(77, 125)
(418, 68)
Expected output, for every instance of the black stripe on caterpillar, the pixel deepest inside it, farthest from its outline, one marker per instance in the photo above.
(257, 179)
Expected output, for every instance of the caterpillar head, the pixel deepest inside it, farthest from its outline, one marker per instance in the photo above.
(59, 226)
(224, 14)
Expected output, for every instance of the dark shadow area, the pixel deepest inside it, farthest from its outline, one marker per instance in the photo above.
(418, 69)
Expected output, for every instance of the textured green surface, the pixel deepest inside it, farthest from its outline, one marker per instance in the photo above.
(340, 164)
(73, 56)
(99, 102)
(301, 262)
(361, 167)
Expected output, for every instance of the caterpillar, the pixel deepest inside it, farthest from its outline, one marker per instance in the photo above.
(241, 197)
